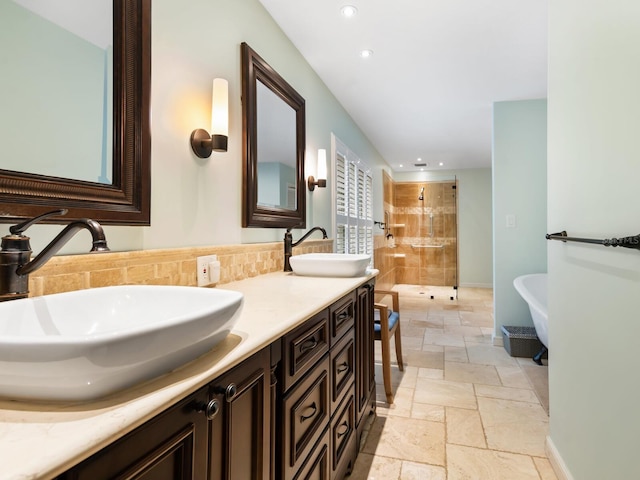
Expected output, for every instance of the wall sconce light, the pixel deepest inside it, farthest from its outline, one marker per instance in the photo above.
(201, 142)
(322, 172)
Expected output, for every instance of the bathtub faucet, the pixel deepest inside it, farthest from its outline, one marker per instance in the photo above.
(288, 244)
(15, 252)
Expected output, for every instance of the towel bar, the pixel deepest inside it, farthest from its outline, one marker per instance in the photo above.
(626, 242)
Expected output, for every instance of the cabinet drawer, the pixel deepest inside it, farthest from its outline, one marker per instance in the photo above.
(304, 346)
(343, 439)
(343, 359)
(306, 412)
(318, 465)
(341, 316)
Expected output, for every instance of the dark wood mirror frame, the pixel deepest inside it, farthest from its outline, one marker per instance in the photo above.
(254, 69)
(127, 200)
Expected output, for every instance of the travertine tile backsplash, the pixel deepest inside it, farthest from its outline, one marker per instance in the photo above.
(176, 266)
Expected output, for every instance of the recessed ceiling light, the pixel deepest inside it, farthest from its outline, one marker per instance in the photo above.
(366, 53)
(441, 164)
(349, 11)
(401, 165)
(419, 159)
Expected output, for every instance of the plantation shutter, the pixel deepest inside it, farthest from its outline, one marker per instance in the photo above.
(353, 202)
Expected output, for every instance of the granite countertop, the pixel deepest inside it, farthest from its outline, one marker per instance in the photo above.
(41, 440)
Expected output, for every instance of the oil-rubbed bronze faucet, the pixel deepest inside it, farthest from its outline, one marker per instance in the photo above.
(15, 252)
(288, 244)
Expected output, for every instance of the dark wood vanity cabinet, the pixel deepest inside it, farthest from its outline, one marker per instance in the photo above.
(318, 413)
(303, 347)
(342, 315)
(343, 364)
(305, 382)
(240, 433)
(305, 416)
(365, 366)
(343, 438)
(220, 432)
(172, 445)
(318, 464)
(292, 411)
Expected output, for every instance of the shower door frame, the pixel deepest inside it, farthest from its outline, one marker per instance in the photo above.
(425, 184)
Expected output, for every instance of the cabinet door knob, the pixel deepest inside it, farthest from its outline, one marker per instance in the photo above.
(229, 391)
(212, 409)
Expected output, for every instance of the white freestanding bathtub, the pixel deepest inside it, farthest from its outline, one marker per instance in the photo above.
(533, 288)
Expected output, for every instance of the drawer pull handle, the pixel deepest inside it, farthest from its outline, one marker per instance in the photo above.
(343, 429)
(343, 367)
(313, 408)
(343, 316)
(308, 345)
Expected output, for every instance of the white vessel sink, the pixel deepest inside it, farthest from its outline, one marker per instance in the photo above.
(330, 264)
(85, 344)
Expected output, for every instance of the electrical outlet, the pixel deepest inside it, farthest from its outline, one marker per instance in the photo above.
(203, 270)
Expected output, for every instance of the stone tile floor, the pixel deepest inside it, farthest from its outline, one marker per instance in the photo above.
(463, 409)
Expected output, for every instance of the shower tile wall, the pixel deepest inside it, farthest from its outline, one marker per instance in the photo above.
(411, 228)
(384, 252)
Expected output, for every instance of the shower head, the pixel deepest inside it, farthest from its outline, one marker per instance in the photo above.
(421, 197)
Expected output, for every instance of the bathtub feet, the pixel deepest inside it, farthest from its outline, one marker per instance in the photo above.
(538, 356)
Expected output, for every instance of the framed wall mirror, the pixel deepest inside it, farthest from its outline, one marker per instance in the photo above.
(273, 130)
(75, 127)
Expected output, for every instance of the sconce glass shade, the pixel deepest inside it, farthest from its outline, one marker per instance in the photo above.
(322, 164)
(220, 107)
(204, 143)
(321, 182)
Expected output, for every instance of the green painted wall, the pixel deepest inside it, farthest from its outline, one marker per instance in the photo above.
(187, 54)
(593, 172)
(196, 201)
(519, 167)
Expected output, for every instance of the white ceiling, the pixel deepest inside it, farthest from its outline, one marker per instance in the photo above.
(437, 67)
